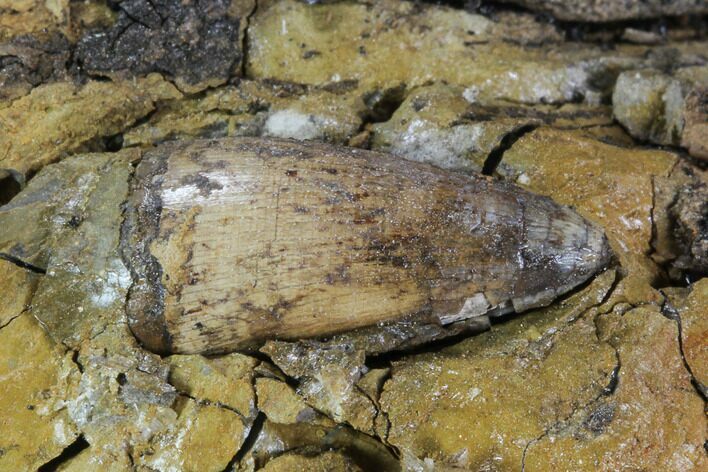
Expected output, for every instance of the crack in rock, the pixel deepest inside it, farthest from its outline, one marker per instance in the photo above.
(22, 264)
(670, 312)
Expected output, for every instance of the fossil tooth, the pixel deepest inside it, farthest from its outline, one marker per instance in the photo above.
(233, 242)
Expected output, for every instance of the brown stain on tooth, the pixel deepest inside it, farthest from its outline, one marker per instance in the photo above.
(237, 241)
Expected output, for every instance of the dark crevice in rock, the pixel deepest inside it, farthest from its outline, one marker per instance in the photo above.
(22, 264)
(292, 382)
(598, 417)
(611, 386)
(9, 321)
(131, 460)
(71, 451)
(249, 442)
(654, 232)
(380, 412)
(204, 402)
(526, 449)
(245, 41)
(75, 360)
(144, 119)
(608, 390)
(113, 143)
(382, 104)
(673, 314)
(497, 154)
(386, 359)
(10, 185)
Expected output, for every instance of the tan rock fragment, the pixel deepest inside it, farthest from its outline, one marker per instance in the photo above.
(653, 419)
(695, 127)
(275, 439)
(95, 458)
(694, 323)
(86, 282)
(35, 378)
(665, 108)
(29, 16)
(255, 108)
(691, 307)
(281, 404)
(204, 438)
(435, 124)
(325, 462)
(61, 118)
(327, 380)
(225, 380)
(123, 397)
(371, 383)
(477, 404)
(317, 115)
(391, 43)
(16, 288)
(443, 124)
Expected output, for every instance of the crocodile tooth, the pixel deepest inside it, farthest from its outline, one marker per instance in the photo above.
(234, 242)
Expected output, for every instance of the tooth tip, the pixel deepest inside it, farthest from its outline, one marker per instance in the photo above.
(600, 246)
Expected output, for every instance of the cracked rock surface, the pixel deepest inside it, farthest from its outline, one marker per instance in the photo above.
(577, 103)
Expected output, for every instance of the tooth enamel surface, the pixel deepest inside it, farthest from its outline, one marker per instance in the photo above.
(234, 242)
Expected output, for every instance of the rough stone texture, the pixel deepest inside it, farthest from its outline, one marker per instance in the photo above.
(65, 17)
(280, 403)
(694, 322)
(197, 44)
(190, 446)
(325, 462)
(431, 125)
(62, 118)
(690, 308)
(690, 213)
(444, 125)
(610, 185)
(28, 61)
(611, 10)
(36, 376)
(650, 421)
(225, 380)
(665, 108)
(678, 215)
(327, 379)
(18, 287)
(255, 108)
(275, 439)
(460, 407)
(28, 16)
(52, 205)
(609, 379)
(695, 128)
(86, 281)
(92, 459)
(391, 44)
